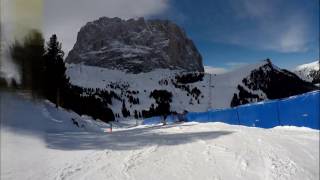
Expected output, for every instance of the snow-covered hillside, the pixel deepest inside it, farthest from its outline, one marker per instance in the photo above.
(215, 91)
(145, 83)
(304, 71)
(39, 141)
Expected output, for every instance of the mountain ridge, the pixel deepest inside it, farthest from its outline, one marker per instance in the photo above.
(135, 45)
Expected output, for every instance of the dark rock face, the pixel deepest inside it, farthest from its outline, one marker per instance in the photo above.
(135, 46)
(315, 75)
(274, 82)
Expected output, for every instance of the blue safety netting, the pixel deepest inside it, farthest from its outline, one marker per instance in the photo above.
(197, 116)
(302, 110)
(158, 119)
(229, 116)
(152, 120)
(263, 114)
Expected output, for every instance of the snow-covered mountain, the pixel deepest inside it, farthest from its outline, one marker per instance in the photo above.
(190, 91)
(126, 62)
(135, 45)
(309, 72)
(274, 82)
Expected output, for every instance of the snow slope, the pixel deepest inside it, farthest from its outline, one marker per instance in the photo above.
(216, 90)
(39, 141)
(303, 71)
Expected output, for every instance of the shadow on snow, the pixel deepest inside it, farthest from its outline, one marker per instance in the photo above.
(127, 139)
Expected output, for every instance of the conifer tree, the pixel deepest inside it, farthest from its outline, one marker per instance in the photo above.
(56, 80)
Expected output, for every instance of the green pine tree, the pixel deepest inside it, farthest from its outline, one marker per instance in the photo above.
(56, 81)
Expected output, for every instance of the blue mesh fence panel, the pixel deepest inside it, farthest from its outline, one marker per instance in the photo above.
(158, 119)
(198, 116)
(300, 110)
(262, 114)
(152, 120)
(171, 119)
(225, 115)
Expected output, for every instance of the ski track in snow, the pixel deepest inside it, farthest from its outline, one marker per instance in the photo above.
(97, 162)
(84, 167)
(135, 158)
(268, 160)
(276, 166)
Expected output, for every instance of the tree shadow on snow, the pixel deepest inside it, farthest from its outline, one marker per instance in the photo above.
(127, 139)
(25, 117)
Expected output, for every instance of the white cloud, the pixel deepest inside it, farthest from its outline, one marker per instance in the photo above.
(66, 17)
(271, 25)
(233, 65)
(214, 70)
(254, 8)
(294, 39)
(228, 66)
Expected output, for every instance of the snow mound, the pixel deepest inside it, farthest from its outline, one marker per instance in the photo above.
(38, 117)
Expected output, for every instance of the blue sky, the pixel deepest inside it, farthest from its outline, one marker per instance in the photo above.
(229, 33)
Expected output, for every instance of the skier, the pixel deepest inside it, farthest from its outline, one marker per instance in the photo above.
(182, 116)
(164, 110)
(110, 127)
(164, 120)
(75, 122)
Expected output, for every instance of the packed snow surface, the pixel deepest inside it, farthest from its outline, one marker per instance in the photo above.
(39, 141)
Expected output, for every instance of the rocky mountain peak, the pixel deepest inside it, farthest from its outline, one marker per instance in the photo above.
(309, 72)
(135, 45)
(273, 82)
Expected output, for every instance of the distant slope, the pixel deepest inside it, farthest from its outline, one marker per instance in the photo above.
(274, 82)
(191, 91)
(309, 72)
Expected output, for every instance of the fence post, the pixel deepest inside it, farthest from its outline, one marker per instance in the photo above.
(238, 115)
(278, 114)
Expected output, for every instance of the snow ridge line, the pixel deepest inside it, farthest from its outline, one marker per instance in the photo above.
(47, 114)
